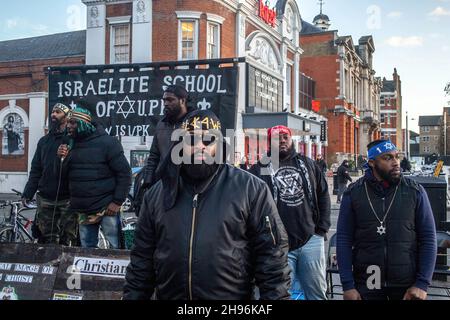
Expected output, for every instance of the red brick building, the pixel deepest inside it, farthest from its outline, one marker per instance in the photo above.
(23, 97)
(391, 110)
(144, 31)
(347, 88)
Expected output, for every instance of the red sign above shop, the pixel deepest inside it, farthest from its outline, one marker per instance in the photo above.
(316, 106)
(268, 15)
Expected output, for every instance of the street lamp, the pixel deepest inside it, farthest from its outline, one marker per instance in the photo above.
(408, 146)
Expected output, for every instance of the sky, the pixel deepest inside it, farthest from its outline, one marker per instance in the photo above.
(410, 35)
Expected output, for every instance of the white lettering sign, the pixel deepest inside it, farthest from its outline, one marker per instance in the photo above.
(5, 266)
(18, 278)
(101, 267)
(27, 268)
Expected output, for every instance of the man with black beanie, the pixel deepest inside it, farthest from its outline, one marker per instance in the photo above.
(207, 230)
(55, 224)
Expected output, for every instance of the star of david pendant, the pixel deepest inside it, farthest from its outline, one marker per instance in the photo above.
(381, 230)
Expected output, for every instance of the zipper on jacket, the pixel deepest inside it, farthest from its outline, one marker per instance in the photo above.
(385, 248)
(269, 225)
(191, 242)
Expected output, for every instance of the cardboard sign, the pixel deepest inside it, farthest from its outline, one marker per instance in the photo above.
(50, 272)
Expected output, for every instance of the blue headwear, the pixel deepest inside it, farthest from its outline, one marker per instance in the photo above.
(381, 148)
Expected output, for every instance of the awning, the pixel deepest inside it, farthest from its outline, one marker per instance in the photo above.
(299, 125)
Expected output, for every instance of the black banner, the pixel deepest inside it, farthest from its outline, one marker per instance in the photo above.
(130, 103)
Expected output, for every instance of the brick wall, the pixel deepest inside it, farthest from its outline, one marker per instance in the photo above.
(21, 77)
(165, 28)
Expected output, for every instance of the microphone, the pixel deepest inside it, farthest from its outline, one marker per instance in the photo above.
(66, 141)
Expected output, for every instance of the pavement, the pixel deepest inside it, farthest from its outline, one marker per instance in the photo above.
(334, 218)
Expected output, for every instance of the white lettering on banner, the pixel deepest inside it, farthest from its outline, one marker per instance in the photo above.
(103, 87)
(5, 266)
(199, 84)
(48, 270)
(127, 107)
(101, 267)
(27, 268)
(18, 278)
(130, 130)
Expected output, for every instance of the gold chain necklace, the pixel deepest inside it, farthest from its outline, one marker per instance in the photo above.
(381, 229)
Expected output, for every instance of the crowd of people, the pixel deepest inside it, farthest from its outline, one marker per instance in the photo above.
(210, 230)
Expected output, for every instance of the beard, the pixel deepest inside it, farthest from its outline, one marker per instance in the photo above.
(386, 175)
(173, 113)
(55, 124)
(285, 154)
(196, 173)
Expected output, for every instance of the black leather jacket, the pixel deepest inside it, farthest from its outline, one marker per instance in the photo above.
(214, 243)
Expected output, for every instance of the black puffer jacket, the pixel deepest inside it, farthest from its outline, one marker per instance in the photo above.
(211, 247)
(98, 173)
(43, 177)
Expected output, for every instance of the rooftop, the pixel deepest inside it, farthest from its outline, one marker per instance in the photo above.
(58, 45)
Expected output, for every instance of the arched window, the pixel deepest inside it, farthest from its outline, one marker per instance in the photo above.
(13, 137)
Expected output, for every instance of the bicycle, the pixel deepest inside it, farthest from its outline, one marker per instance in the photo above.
(15, 227)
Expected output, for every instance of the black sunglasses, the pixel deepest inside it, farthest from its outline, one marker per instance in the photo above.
(206, 139)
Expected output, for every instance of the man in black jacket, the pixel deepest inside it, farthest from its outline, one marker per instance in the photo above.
(321, 164)
(53, 219)
(175, 109)
(342, 177)
(301, 193)
(207, 230)
(99, 178)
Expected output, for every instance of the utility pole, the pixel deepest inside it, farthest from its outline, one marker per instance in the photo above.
(447, 93)
(407, 137)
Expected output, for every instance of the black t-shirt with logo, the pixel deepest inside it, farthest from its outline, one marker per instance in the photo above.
(294, 204)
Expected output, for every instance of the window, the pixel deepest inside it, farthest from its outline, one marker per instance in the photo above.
(388, 119)
(188, 39)
(213, 50)
(307, 91)
(426, 149)
(425, 139)
(120, 46)
(426, 129)
(288, 79)
(436, 138)
(436, 128)
(382, 117)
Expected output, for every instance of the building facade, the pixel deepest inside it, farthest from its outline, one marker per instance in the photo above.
(347, 89)
(391, 110)
(431, 135)
(146, 31)
(23, 98)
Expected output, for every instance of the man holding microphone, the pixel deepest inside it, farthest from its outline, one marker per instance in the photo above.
(99, 178)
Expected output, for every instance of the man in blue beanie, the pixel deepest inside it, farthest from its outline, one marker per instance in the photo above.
(386, 236)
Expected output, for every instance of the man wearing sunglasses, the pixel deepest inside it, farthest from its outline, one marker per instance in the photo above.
(386, 237)
(207, 230)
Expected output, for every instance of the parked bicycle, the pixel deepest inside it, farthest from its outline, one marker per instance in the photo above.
(16, 227)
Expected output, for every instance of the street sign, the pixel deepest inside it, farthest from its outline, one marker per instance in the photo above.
(438, 168)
